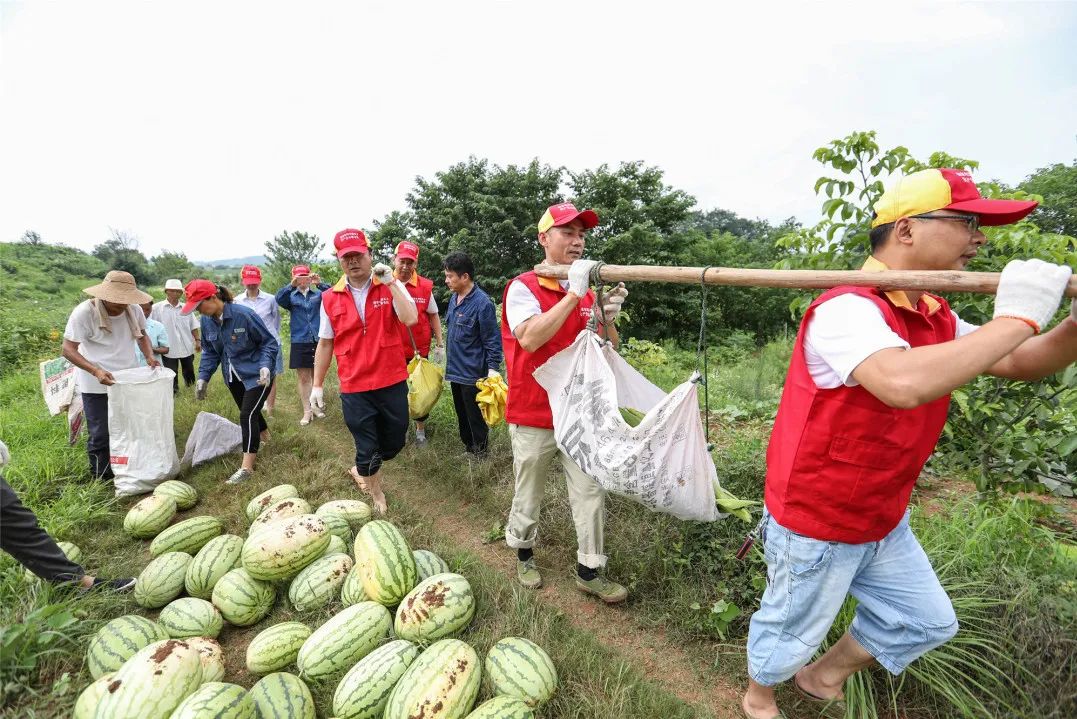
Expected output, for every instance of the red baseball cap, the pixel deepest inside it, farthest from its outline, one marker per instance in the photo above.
(564, 213)
(408, 250)
(197, 290)
(348, 241)
(250, 275)
(945, 189)
(300, 270)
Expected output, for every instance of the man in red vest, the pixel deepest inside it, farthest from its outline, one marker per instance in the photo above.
(405, 261)
(359, 325)
(864, 404)
(540, 318)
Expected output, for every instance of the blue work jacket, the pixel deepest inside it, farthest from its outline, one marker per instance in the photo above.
(305, 310)
(240, 343)
(473, 346)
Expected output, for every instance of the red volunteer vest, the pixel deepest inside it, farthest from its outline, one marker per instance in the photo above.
(421, 293)
(841, 465)
(527, 403)
(368, 354)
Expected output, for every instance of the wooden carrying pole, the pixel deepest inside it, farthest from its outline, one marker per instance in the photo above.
(927, 280)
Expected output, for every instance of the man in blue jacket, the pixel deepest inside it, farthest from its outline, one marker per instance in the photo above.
(473, 348)
(303, 299)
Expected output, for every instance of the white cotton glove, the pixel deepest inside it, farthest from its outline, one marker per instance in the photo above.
(1031, 290)
(263, 376)
(383, 273)
(612, 301)
(200, 389)
(317, 397)
(437, 354)
(493, 373)
(579, 277)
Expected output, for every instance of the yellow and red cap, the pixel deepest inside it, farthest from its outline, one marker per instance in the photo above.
(564, 213)
(945, 189)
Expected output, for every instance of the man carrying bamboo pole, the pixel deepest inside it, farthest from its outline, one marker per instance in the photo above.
(864, 404)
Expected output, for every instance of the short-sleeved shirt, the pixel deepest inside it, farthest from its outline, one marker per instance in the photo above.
(111, 350)
(158, 338)
(179, 327)
(521, 304)
(265, 305)
(325, 327)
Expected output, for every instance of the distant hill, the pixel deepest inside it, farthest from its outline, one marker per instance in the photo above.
(232, 261)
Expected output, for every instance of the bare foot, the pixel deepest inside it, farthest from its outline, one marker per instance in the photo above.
(358, 478)
(769, 711)
(807, 683)
(372, 486)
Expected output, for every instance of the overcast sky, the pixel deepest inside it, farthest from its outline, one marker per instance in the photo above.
(208, 128)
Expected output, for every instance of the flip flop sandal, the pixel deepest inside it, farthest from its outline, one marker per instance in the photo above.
(837, 705)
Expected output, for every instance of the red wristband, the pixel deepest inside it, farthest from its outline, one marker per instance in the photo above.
(1035, 327)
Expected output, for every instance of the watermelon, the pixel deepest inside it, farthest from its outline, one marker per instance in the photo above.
(211, 656)
(441, 684)
(364, 690)
(271, 496)
(86, 704)
(338, 526)
(162, 580)
(502, 707)
(190, 617)
(242, 599)
(276, 647)
(355, 511)
(319, 582)
(518, 667)
(336, 546)
(219, 556)
(428, 564)
(189, 536)
(343, 640)
(439, 607)
(119, 640)
(282, 696)
(185, 495)
(290, 507)
(149, 516)
(70, 550)
(281, 550)
(352, 590)
(385, 562)
(152, 683)
(216, 700)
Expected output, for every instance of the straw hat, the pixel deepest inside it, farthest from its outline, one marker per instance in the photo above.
(119, 287)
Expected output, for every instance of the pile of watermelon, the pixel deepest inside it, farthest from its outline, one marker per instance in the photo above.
(394, 647)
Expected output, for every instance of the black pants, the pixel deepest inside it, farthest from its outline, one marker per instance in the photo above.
(473, 430)
(378, 421)
(251, 421)
(188, 370)
(23, 538)
(95, 411)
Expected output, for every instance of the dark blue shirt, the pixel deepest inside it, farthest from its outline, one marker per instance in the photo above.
(474, 337)
(305, 310)
(240, 341)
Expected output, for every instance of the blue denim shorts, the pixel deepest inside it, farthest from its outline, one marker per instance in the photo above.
(902, 611)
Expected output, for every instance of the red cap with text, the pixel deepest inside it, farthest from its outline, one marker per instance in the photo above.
(408, 251)
(300, 271)
(250, 275)
(350, 241)
(197, 290)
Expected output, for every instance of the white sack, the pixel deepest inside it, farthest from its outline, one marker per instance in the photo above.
(212, 436)
(141, 438)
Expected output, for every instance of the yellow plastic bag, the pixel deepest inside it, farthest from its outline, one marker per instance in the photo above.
(425, 380)
(491, 398)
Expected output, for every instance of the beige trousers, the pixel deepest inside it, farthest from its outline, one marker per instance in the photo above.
(533, 450)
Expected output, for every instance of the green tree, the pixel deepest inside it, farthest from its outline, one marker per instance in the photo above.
(285, 251)
(168, 265)
(120, 252)
(1057, 185)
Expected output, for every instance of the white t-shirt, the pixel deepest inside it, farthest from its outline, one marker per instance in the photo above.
(325, 327)
(521, 304)
(845, 331)
(178, 326)
(112, 351)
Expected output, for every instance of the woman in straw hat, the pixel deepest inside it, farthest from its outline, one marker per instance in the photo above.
(99, 339)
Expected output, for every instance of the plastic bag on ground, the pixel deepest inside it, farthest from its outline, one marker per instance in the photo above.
(141, 438)
(211, 436)
(663, 462)
(492, 396)
(425, 380)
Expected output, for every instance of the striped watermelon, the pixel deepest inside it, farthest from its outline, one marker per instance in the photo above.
(343, 640)
(162, 580)
(276, 647)
(211, 656)
(283, 549)
(290, 507)
(441, 684)
(337, 526)
(282, 696)
(185, 495)
(189, 536)
(352, 591)
(428, 564)
(364, 690)
(385, 562)
(271, 496)
(216, 700)
(149, 516)
(119, 640)
(439, 607)
(502, 707)
(190, 617)
(336, 546)
(518, 667)
(356, 511)
(152, 683)
(219, 556)
(242, 599)
(70, 550)
(319, 582)
(86, 704)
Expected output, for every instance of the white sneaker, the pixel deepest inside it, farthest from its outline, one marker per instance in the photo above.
(241, 475)
(305, 421)
(319, 414)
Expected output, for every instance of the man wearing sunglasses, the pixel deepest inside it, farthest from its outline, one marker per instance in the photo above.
(864, 404)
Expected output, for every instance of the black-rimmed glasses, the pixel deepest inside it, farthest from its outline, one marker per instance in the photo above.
(972, 221)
